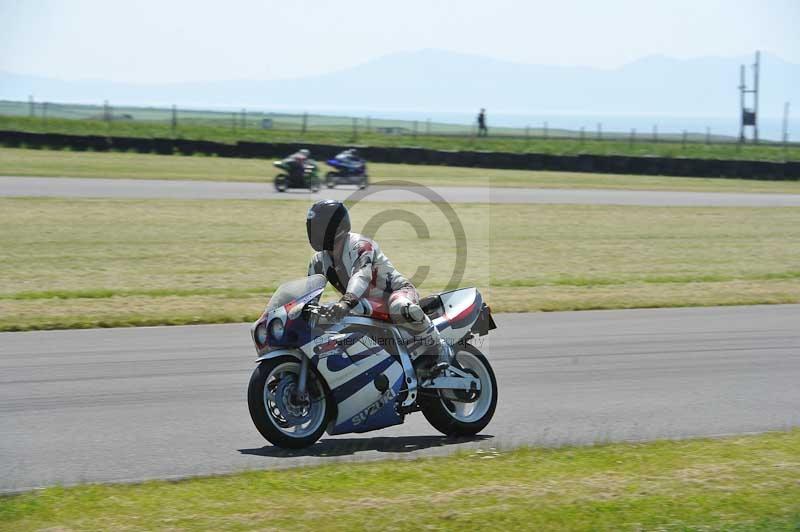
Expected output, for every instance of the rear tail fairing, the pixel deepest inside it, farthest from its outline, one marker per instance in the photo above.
(460, 309)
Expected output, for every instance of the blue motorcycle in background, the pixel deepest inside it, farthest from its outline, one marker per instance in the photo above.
(348, 169)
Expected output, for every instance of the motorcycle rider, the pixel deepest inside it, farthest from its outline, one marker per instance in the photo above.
(297, 161)
(357, 268)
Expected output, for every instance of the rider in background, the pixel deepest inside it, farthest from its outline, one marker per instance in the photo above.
(357, 268)
(297, 161)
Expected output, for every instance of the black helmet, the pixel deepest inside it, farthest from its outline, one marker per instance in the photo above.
(326, 221)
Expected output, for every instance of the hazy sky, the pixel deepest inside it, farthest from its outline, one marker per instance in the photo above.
(164, 41)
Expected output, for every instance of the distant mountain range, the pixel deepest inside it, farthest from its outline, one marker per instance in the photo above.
(446, 81)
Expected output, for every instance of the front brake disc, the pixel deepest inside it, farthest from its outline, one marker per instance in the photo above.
(294, 413)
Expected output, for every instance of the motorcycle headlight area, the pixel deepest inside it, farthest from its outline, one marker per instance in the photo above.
(276, 329)
(261, 334)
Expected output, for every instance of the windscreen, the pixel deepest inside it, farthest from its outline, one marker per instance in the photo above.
(295, 289)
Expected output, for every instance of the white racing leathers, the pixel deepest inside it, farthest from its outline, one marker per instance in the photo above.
(359, 270)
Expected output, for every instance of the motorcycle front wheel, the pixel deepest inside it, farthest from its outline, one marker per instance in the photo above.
(457, 413)
(275, 409)
(330, 179)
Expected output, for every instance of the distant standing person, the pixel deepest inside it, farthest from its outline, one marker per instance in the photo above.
(483, 131)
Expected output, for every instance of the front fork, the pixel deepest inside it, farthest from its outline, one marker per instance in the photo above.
(302, 381)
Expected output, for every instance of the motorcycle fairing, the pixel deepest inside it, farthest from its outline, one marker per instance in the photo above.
(353, 360)
(347, 169)
(275, 353)
(296, 329)
(350, 362)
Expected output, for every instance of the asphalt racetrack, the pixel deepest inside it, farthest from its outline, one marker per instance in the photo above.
(166, 402)
(132, 188)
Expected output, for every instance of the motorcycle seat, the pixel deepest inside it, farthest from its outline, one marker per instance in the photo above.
(432, 306)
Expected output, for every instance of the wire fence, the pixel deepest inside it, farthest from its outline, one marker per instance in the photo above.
(302, 123)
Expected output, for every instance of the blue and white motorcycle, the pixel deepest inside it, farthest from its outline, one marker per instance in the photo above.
(358, 375)
(347, 172)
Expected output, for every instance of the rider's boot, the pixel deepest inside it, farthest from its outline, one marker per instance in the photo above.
(428, 341)
(441, 349)
(445, 355)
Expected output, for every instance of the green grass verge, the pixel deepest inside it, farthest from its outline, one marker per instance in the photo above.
(100, 262)
(342, 136)
(26, 162)
(735, 483)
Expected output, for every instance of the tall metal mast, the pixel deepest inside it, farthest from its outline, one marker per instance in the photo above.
(749, 116)
(755, 96)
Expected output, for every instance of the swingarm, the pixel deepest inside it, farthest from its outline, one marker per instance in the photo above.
(457, 380)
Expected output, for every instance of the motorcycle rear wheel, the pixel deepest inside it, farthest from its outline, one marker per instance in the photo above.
(281, 182)
(454, 418)
(330, 179)
(267, 396)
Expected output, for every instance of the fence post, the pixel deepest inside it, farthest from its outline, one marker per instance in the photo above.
(233, 121)
(305, 123)
(708, 135)
(655, 132)
(582, 134)
(785, 127)
(527, 135)
(244, 118)
(174, 122)
(44, 112)
(107, 117)
(31, 112)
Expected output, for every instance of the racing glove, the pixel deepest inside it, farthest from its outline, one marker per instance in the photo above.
(345, 305)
